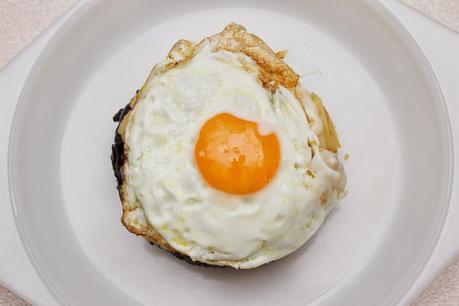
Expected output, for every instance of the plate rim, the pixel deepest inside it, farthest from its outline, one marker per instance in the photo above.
(450, 143)
(44, 278)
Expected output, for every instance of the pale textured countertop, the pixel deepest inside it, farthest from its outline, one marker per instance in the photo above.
(22, 20)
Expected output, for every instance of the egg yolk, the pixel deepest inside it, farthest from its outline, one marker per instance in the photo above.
(233, 157)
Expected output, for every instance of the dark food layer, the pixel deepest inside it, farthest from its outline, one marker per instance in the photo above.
(118, 147)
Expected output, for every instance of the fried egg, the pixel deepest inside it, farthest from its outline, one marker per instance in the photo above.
(229, 171)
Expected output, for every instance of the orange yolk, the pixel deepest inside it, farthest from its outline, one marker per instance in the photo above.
(233, 157)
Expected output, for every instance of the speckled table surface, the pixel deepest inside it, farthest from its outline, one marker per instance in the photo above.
(22, 20)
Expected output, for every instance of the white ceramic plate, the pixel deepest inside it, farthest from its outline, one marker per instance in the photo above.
(376, 84)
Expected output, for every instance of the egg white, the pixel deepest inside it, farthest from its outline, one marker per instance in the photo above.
(206, 224)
